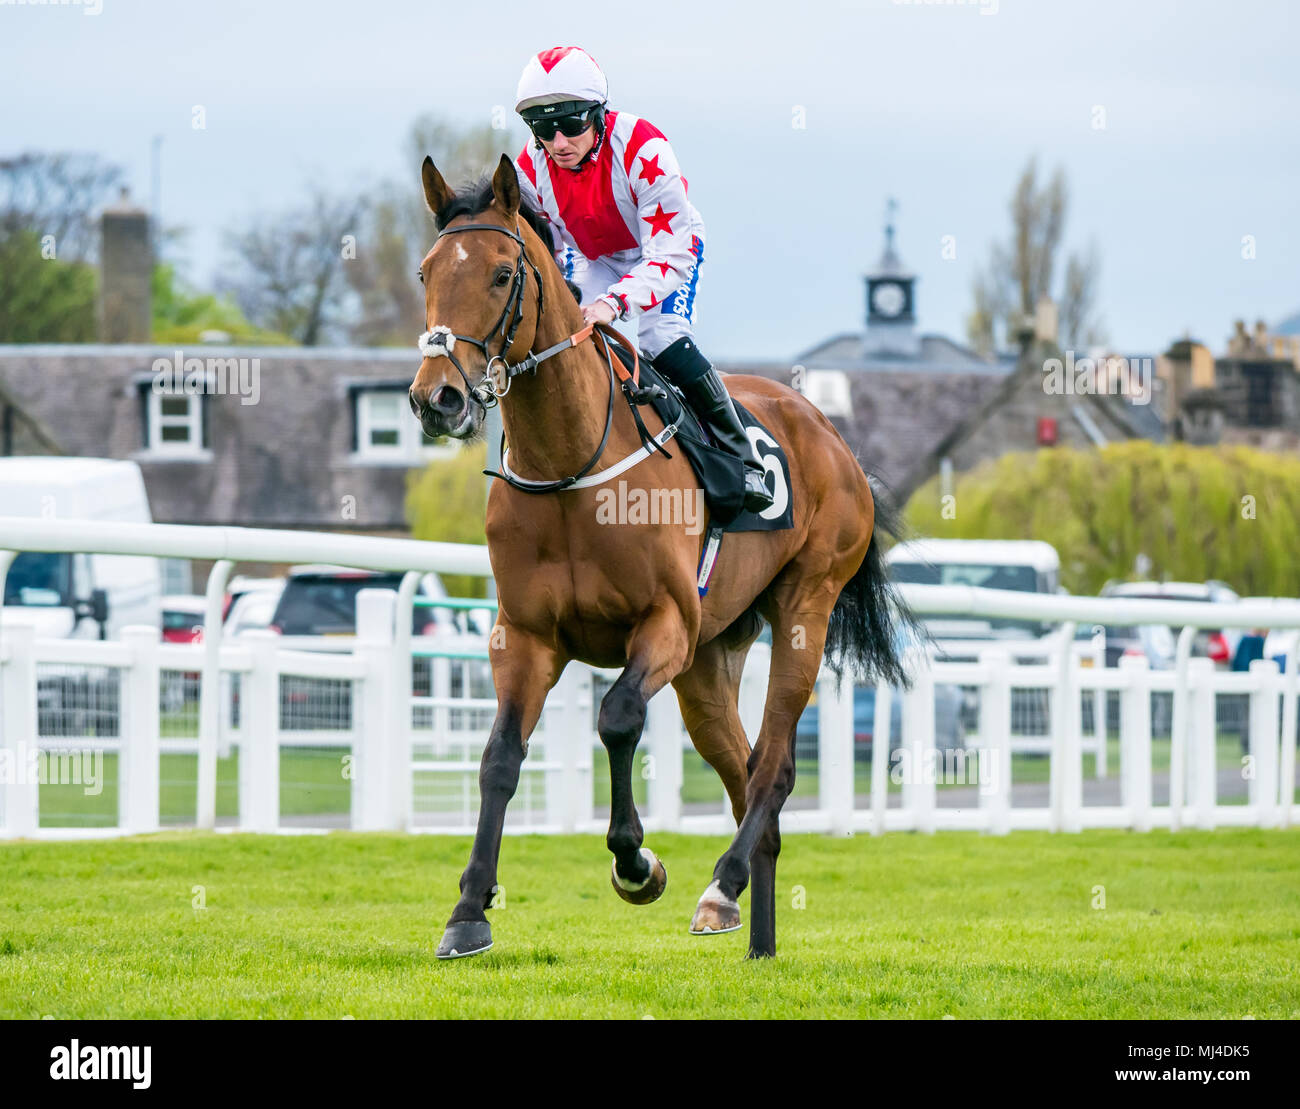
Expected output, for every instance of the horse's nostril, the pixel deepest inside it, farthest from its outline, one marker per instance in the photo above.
(448, 400)
(415, 404)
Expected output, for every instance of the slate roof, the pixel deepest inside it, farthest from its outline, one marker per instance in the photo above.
(937, 354)
(286, 461)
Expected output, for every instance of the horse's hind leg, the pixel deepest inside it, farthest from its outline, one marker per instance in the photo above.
(657, 649)
(799, 609)
(708, 695)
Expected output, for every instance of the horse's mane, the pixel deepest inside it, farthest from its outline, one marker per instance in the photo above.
(477, 197)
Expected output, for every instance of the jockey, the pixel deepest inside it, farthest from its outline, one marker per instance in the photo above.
(628, 237)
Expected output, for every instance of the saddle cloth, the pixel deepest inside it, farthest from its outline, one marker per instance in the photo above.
(721, 474)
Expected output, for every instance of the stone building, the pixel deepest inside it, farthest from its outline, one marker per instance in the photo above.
(1249, 395)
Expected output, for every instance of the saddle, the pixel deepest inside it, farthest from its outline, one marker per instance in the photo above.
(720, 474)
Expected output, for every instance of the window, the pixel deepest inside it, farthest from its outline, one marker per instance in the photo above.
(1260, 411)
(174, 423)
(387, 431)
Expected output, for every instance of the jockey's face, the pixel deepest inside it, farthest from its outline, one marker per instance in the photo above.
(568, 153)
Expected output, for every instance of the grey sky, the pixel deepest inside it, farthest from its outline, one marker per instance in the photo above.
(937, 104)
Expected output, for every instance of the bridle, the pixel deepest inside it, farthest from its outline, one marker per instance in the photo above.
(487, 393)
(440, 341)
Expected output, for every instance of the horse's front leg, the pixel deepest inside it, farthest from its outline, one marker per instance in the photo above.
(523, 671)
(657, 651)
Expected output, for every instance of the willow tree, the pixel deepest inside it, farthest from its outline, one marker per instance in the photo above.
(1230, 513)
(446, 502)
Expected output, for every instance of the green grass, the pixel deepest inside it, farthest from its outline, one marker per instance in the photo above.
(1199, 924)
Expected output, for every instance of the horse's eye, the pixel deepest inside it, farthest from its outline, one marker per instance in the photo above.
(502, 278)
(420, 276)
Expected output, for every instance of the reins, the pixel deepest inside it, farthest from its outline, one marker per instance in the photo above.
(440, 341)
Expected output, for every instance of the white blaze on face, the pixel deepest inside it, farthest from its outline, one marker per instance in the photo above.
(461, 256)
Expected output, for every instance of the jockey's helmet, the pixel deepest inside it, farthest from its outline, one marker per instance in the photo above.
(562, 83)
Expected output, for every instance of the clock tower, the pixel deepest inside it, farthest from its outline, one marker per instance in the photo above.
(891, 319)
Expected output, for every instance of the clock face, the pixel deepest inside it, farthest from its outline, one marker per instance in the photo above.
(887, 299)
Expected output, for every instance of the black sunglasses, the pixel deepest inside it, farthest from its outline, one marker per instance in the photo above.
(570, 126)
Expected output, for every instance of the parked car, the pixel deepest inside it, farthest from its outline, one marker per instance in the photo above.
(950, 732)
(318, 611)
(1218, 644)
(182, 618)
(253, 609)
(1154, 642)
(1023, 566)
(322, 601)
(242, 586)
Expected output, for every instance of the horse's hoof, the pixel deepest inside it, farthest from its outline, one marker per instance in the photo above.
(641, 893)
(715, 913)
(465, 937)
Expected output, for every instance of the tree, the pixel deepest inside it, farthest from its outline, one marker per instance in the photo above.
(1195, 512)
(58, 195)
(181, 315)
(287, 271)
(447, 502)
(1021, 271)
(398, 228)
(48, 241)
(44, 300)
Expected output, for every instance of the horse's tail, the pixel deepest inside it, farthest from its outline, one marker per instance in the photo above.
(865, 624)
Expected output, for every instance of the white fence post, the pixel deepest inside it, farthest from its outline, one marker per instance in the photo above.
(372, 766)
(1263, 741)
(1286, 778)
(138, 767)
(835, 789)
(1201, 758)
(664, 745)
(881, 738)
(568, 740)
(1066, 772)
(259, 735)
(1179, 727)
(1135, 741)
(995, 735)
(1099, 699)
(919, 785)
(210, 693)
(21, 790)
(402, 684)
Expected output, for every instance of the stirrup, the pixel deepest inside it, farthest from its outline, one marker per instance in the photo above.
(756, 499)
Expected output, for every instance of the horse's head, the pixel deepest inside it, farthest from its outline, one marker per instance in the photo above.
(481, 300)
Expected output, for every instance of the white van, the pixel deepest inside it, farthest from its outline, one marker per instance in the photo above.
(78, 595)
(1027, 566)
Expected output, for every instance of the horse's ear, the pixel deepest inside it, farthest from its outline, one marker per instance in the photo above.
(437, 194)
(505, 186)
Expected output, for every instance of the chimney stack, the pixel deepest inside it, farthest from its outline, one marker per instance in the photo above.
(125, 275)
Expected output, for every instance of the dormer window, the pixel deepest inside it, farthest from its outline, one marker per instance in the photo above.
(173, 423)
(387, 430)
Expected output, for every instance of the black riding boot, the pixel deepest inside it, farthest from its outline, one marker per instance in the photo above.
(691, 372)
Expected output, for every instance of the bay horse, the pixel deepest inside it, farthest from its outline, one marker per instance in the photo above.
(571, 586)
